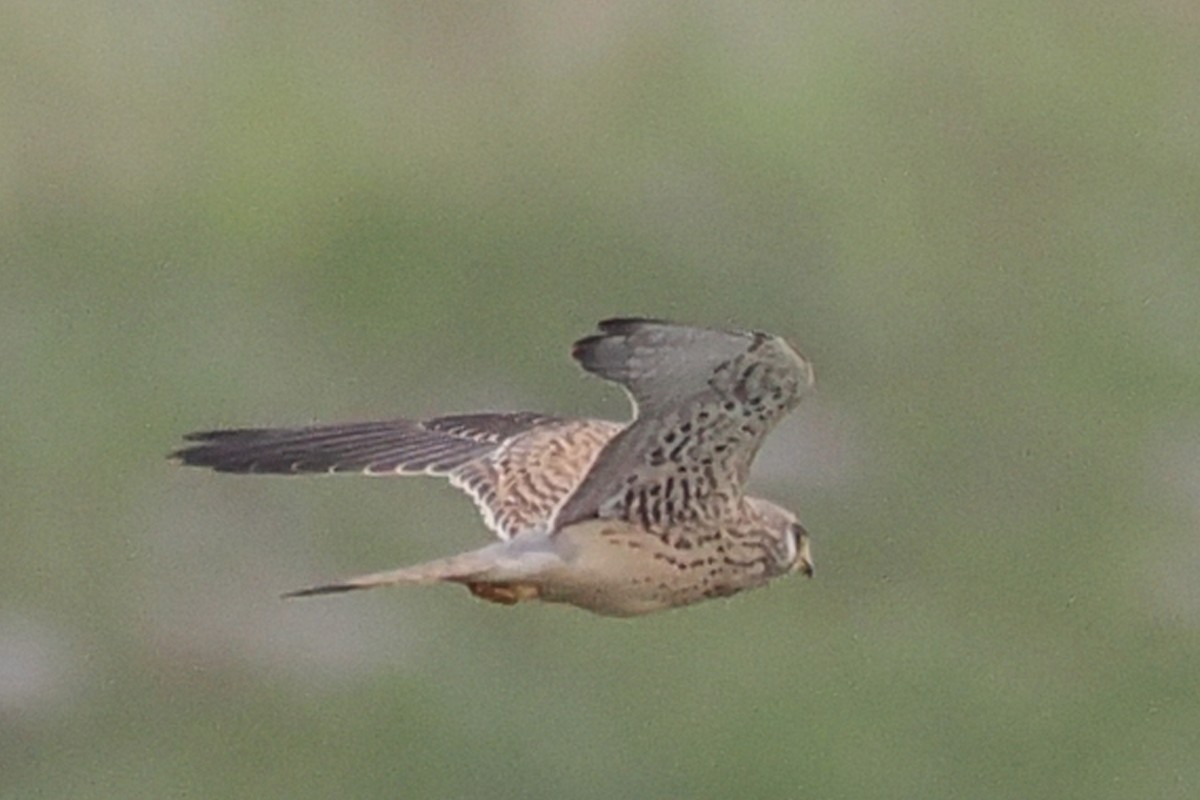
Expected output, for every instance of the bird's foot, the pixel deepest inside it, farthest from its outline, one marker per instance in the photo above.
(504, 593)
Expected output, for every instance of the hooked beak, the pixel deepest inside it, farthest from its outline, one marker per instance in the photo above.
(804, 562)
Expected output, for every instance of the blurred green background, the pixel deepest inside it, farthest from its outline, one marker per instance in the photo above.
(980, 220)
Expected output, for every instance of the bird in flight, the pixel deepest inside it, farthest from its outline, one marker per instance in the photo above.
(620, 519)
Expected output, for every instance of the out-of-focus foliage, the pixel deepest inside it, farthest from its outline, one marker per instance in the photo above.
(980, 220)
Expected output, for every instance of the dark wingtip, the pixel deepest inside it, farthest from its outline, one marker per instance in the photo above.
(218, 449)
(211, 457)
(185, 457)
(226, 433)
(613, 326)
(618, 325)
(583, 347)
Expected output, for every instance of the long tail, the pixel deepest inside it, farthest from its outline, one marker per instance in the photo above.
(457, 569)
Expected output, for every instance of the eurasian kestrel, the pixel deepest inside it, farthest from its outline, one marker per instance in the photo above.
(619, 519)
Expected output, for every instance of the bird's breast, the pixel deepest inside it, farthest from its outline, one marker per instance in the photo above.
(619, 568)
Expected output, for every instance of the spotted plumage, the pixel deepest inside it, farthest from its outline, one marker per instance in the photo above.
(619, 519)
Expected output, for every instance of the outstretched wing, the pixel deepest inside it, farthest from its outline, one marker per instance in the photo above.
(505, 462)
(392, 447)
(704, 401)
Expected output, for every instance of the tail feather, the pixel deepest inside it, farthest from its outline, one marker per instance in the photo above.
(457, 569)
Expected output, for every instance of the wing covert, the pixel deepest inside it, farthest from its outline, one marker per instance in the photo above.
(705, 399)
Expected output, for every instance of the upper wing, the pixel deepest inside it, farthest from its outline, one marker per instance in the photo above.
(704, 400)
(516, 467)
